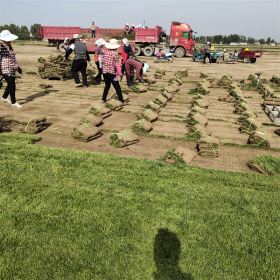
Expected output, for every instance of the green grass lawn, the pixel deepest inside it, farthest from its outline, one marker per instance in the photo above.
(67, 214)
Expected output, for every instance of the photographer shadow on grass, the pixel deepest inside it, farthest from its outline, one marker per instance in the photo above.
(167, 249)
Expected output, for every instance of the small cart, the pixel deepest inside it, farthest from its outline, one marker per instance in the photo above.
(249, 56)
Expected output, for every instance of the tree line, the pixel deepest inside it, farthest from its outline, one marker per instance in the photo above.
(22, 32)
(217, 39)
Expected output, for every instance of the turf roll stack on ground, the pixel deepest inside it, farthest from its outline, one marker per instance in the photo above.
(100, 111)
(142, 126)
(180, 155)
(124, 138)
(34, 125)
(259, 139)
(208, 147)
(114, 105)
(86, 132)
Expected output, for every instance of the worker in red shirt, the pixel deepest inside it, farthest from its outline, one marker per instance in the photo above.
(138, 66)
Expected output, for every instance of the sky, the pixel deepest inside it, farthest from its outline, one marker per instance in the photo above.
(259, 19)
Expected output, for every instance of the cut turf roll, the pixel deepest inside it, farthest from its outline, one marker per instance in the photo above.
(249, 125)
(124, 138)
(114, 105)
(100, 111)
(142, 126)
(259, 139)
(86, 132)
(180, 155)
(148, 115)
(152, 105)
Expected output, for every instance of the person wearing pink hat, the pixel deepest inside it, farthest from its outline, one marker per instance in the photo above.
(8, 67)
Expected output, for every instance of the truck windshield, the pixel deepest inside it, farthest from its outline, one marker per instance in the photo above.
(185, 35)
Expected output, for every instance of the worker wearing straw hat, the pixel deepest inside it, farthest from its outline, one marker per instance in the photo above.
(8, 67)
(110, 66)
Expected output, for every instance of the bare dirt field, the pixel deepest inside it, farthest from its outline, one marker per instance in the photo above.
(64, 105)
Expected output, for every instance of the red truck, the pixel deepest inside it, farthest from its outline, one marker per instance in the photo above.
(147, 40)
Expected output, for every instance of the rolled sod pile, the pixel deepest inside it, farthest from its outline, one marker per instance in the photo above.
(275, 79)
(86, 132)
(226, 80)
(160, 100)
(142, 126)
(148, 115)
(277, 131)
(197, 131)
(138, 88)
(201, 103)
(157, 76)
(124, 138)
(197, 119)
(228, 99)
(167, 95)
(92, 120)
(114, 104)
(172, 88)
(266, 91)
(150, 80)
(152, 105)
(246, 115)
(205, 83)
(240, 108)
(100, 111)
(183, 73)
(180, 155)
(160, 71)
(272, 101)
(202, 88)
(250, 125)
(176, 80)
(33, 125)
(265, 164)
(196, 109)
(259, 139)
(203, 75)
(208, 147)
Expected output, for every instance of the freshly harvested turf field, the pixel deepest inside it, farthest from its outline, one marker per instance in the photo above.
(67, 214)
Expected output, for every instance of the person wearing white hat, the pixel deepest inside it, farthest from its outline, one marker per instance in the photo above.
(126, 52)
(80, 60)
(139, 67)
(207, 50)
(9, 66)
(110, 66)
(132, 28)
(126, 29)
(99, 57)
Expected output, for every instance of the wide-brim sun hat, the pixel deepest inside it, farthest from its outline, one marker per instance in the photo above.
(7, 36)
(112, 45)
(208, 43)
(145, 68)
(100, 42)
(76, 36)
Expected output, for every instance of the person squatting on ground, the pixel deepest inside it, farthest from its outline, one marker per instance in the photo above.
(138, 66)
(80, 60)
(8, 67)
(207, 52)
(99, 57)
(126, 53)
(111, 68)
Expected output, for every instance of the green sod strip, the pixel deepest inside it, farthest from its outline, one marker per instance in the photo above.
(67, 214)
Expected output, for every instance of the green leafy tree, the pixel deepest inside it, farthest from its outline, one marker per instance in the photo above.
(262, 41)
(268, 40)
(33, 30)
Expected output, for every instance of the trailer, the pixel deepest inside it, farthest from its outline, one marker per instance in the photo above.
(249, 55)
(147, 40)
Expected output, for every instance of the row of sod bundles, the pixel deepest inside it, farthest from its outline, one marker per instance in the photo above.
(236, 92)
(54, 66)
(167, 95)
(208, 147)
(160, 71)
(142, 126)
(252, 77)
(196, 109)
(150, 80)
(152, 105)
(240, 108)
(92, 120)
(172, 88)
(183, 73)
(266, 91)
(246, 115)
(86, 132)
(148, 115)
(234, 85)
(123, 138)
(202, 89)
(203, 75)
(275, 79)
(33, 125)
(204, 82)
(226, 80)
(240, 101)
(265, 164)
(259, 139)
(197, 131)
(210, 79)
(200, 102)
(272, 101)
(197, 119)
(160, 100)
(249, 125)
(228, 99)
(180, 155)
(114, 104)
(100, 111)
(176, 80)
(138, 88)
(157, 76)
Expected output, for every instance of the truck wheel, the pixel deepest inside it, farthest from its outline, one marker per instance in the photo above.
(180, 52)
(61, 48)
(253, 60)
(148, 51)
(246, 59)
(138, 51)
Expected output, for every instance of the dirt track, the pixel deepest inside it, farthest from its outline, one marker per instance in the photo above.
(64, 105)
